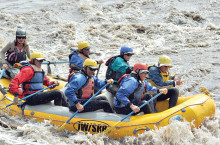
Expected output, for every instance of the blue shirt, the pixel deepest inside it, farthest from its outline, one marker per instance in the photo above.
(127, 86)
(155, 76)
(77, 60)
(76, 83)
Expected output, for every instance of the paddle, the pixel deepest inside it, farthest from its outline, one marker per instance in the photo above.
(54, 62)
(3, 71)
(28, 96)
(59, 129)
(108, 130)
(98, 71)
(57, 77)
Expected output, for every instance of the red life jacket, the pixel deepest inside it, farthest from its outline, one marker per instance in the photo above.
(70, 75)
(88, 89)
(125, 75)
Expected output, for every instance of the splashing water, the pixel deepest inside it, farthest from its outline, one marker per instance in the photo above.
(187, 31)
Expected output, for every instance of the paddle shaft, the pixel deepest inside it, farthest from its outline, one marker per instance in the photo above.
(141, 106)
(3, 71)
(108, 130)
(98, 70)
(59, 129)
(87, 102)
(30, 95)
(54, 62)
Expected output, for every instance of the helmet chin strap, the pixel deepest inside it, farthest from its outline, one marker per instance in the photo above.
(135, 74)
(81, 51)
(138, 73)
(17, 42)
(84, 54)
(85, 69)
(34, 61)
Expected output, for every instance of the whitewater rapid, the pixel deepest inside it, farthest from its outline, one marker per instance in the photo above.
(187, 31)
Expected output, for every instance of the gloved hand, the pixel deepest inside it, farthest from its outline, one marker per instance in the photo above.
(5, 66)
(179, 82)
(164, 91)
(110, 81)
(100, 61)
(56, 83)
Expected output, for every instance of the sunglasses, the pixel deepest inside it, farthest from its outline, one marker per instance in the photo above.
(40, 60)
(92, 69)
(144, 72)
(21, 38)
(129, 54)
(86, 49)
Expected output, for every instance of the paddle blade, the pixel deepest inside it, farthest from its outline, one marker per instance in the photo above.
(59, 129)
(107, 131)
(2, 73)
(2, 107)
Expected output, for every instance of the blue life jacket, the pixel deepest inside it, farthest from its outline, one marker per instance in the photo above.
(36, 83)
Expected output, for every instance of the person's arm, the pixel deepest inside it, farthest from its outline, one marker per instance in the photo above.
(150, 87)
(4, 50)
(70, 91)
(76, 82)
(134, 108)
(101, 61)
(77, 60)
(47, 82)
(100, 83)
(27, 50)
(24, 75)
(154, 89)
(127, 87)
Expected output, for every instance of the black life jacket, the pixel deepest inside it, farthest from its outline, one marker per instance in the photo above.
(15, 56)
(110, 73)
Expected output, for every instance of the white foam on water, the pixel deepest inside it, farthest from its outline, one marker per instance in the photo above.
(187, 31)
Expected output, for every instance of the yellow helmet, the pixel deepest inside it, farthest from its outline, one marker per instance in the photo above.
(37, 55)
(164, 61)
(83, 44)
(90, 63)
